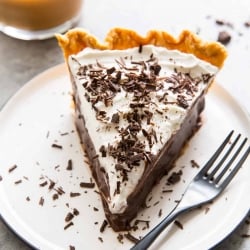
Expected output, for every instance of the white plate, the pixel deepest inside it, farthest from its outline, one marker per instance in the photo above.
(40, 114)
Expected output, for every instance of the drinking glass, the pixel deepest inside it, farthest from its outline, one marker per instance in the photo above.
(38, 19)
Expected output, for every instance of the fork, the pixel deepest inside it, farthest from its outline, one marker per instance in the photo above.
(206, 185)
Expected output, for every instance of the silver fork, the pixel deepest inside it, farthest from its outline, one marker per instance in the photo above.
(206, 185)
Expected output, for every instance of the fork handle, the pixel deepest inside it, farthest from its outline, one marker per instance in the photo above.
(147, 240)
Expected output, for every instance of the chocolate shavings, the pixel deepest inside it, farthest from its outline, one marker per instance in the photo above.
(87, 184)
(72, 194)
(103, 226)
(132, 238)
(70, 165)
(68, 225)
(11, 169)
(69, 217)
(178, 224)
(194, 164)
(174, 178)
(41, 201)
(54, 145)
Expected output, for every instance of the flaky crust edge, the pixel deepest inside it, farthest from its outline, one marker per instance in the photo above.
(78, 39)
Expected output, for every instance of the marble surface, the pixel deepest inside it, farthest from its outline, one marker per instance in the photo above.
(20, 60)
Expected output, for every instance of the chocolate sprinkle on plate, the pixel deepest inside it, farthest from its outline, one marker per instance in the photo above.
(174, 178)
(132, 238)
(220, 22)
(178, 224)
(156, 203)
(52, 184)
(54, 145)
(69, 217)
(12, 168)
(245, 235)
(167, 191)
(72, 194)
(206, 210)
(68, 225)
(70, 165)
(120, 238)
(247, 24)
(160, 213)
(103, 226)
(41, 201)
(18, 182)
(141, 221)
(87, 184)
(223, 22)
(100, 239)
(43, 184)
(63, 134)
(224, 37)
(194, 164)
(60, 190)
(55, 196)
(75, 212)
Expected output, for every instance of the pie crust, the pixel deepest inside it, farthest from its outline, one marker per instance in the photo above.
(78, 39)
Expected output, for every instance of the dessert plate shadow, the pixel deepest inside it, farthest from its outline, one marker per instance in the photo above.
(42, 170)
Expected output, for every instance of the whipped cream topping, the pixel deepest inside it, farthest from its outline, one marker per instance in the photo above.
(133, 101)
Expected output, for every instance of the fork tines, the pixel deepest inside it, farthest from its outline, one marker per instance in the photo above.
(227, 159)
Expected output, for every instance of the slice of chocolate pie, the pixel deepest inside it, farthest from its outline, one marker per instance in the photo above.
(137, 102)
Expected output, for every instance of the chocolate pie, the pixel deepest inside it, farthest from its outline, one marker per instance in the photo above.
(137, 100)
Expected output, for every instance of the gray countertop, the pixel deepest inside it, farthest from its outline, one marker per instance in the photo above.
(20, 61)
